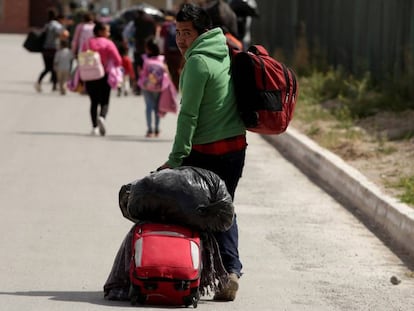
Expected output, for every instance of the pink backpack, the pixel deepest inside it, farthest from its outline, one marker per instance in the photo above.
(90, 65)
(152, 74)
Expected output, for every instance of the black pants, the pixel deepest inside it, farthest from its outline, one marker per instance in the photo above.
(228, 167)
(48, 57)
(99, 92)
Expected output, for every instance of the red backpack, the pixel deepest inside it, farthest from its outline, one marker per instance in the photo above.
(265, 90)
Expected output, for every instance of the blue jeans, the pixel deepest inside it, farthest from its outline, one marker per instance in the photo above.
(229, 167)
(151, 104)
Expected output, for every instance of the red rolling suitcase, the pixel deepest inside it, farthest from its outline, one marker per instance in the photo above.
(165, 265)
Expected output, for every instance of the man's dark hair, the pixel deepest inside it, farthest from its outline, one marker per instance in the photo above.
(197, 15)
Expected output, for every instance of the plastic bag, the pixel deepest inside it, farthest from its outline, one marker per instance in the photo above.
(74, 83)
(115, 76)
(34, 41)
(187, 196)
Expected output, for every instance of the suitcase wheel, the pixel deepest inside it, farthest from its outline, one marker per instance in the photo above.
(192, 299)
(195, 302)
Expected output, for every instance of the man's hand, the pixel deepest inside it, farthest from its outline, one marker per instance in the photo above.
(164, 166)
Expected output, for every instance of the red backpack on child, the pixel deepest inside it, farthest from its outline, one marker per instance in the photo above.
(265, 90)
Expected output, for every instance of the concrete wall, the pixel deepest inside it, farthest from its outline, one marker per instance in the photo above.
(18, 16)
(14, 16)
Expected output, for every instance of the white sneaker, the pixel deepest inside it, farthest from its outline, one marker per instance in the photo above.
(101, 125)
(38, 87)
(95, 131)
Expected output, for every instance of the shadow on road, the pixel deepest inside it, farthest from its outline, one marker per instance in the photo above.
(120, 138)
(87, 297)
(41, 133)
(24, 92)
(137, 139)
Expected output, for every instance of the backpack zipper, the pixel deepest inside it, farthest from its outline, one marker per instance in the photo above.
(294, 83)
(286, 73)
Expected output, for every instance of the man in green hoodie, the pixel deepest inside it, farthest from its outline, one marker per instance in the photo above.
(210, 133)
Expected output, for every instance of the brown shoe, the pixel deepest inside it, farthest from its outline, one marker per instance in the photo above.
(228, 293)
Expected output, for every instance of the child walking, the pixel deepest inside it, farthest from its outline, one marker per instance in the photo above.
(62, 64)
(128, 72)
(150, 80)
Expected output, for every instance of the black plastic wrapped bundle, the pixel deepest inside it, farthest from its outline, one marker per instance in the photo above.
(187, 196)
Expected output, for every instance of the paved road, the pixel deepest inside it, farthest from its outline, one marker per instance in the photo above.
(60, 225)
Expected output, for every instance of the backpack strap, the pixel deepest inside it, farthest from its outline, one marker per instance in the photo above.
(258, 50)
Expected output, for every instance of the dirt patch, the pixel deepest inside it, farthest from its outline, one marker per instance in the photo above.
(381, 148)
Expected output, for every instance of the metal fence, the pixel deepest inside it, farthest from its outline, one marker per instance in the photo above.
(359, 35)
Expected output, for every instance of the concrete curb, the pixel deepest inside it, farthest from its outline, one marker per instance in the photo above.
(334, 174)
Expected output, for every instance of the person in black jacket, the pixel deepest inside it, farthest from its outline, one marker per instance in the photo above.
(55, 31)
(145, 27)
(222, 15)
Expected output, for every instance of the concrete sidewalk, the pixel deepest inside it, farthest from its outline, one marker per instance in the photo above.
(348, 185)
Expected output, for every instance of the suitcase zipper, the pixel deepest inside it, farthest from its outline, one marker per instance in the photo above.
(167, 233)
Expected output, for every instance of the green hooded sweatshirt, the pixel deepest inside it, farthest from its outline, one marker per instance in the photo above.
(208, 110)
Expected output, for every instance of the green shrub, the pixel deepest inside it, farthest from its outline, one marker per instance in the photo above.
(407, 185)
(359, 97)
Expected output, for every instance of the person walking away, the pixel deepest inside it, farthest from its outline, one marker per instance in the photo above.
(169, 47)
(128, 37)
(128, 72)
(150, 81)
(99, 90)
(55, 31)
(83, 32)
(145, 27)
(62, 65)
(210, 133)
